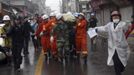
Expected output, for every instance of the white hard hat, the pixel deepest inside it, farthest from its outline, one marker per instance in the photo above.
(52, 14)
(44, 17)
(69, 13)
(6, 18)
(59, 16)
(76, 14)
(92, 14)
(81, 14)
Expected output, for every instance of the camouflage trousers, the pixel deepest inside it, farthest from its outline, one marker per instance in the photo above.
(63, 48)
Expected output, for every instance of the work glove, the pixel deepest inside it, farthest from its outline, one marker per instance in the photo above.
(51, 39)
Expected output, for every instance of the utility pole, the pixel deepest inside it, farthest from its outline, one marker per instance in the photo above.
(63, 6)
(60, 5)
(132, 1)
(9, 4)
(77, 5)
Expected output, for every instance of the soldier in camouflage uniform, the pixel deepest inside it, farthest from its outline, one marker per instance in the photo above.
(62, 32)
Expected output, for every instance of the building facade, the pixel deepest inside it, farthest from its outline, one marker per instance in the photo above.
(103, 9)
(41, 5)
(27, 7)
(69, 6)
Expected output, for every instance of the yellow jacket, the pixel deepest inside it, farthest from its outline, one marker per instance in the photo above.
(6, 42)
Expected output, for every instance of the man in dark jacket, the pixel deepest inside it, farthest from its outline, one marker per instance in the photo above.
(93, 23)
(16, 32)
(27, 30)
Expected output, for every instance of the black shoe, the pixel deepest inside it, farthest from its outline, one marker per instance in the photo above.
(18, 70)
(78, 55)
(46, 57)
(26, 53)
(85, 59)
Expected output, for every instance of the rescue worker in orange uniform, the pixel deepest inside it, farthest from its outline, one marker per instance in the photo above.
(49, 27)
(81, 36)
(44, 34)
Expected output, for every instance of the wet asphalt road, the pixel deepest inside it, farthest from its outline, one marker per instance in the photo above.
(96, 64)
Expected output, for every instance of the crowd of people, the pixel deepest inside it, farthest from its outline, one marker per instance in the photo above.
(60, 38)
(16, 35)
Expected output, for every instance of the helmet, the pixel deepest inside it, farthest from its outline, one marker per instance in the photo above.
(76, 14)
(59, 16)
(52, 14)
(81, 14)
(6, 18)
(115, 13)
(69, 13)
(44, 17)
(92, 14)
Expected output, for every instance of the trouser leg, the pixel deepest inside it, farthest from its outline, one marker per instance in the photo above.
(35, 43)
(26, 44)
(78, 45)
(119, 67)
(17, 58)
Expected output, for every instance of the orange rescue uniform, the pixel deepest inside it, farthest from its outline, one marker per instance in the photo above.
(45, 38)
(81, 37)
(49, 27)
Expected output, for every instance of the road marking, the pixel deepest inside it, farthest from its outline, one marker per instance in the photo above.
(39, 66)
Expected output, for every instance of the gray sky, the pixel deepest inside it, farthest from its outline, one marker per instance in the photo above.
(53, 4)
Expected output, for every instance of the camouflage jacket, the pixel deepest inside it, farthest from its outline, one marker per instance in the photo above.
(62, 31)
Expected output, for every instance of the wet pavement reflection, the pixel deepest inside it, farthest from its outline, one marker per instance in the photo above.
(96, 64)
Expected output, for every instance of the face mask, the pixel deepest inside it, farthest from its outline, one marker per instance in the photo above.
(116, 20)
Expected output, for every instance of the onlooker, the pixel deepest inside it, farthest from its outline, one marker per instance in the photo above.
(93, 23)
(27, 30)
(16, 32)
(34, 25)
(7, 22)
